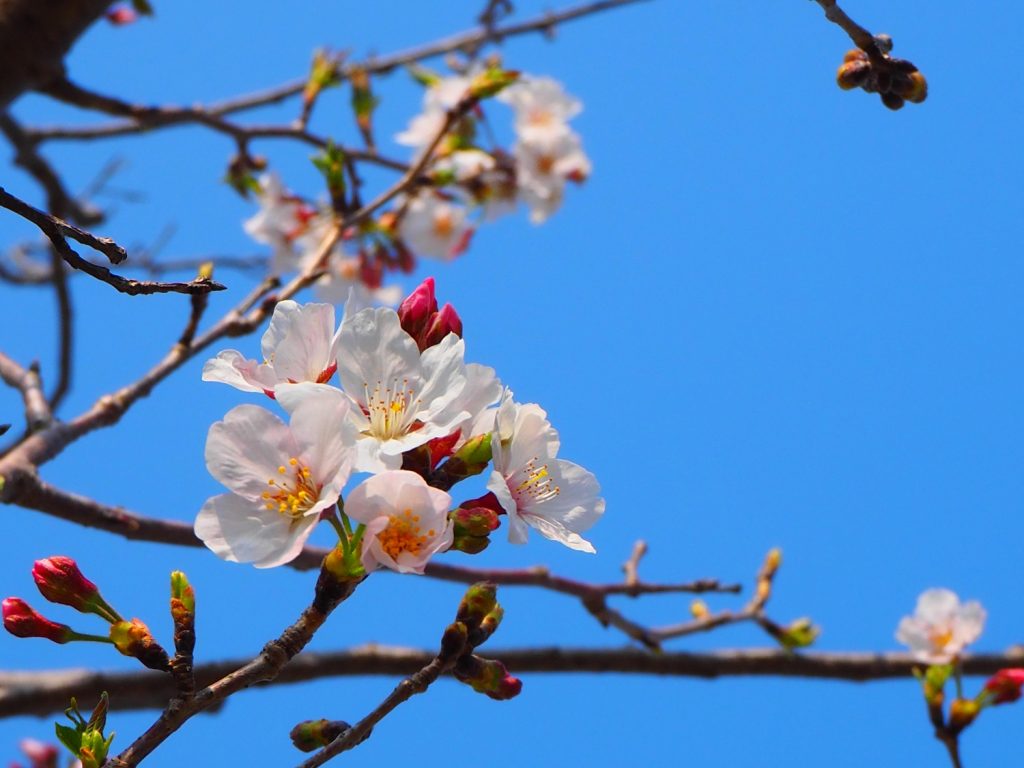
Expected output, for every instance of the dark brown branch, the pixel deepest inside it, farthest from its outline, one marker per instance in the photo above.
(65, 324)
(860, 36)
(58, 200)
(34, 40)
(43, 693)
(58, 230)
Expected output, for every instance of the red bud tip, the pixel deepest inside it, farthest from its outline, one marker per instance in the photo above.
(60, 581)
(121, 16)
(416, 310)
(1005, 685)
(22, 621)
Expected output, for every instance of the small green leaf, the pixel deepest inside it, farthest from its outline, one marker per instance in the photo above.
(69, 737)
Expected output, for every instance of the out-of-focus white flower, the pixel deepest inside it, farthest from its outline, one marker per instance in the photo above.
(543, 168)
(437, 100)
(542, 108)
(556, 497)
(343, 282)
(299, 345)
(433, 226)
(941, 626)
(406, 520)
(464, 164)
(281, 220)
(282, 477)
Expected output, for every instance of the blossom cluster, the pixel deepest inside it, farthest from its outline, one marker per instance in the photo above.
(463, 184)
(386, 393)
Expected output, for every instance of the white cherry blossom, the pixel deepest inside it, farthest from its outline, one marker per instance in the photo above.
(282, 478)
(406, 520)
(542, 108)
(433, 226)
(300, 345)
(941, 626)
(439, 97)
(281, 220)
(544, 167)
(556, 497)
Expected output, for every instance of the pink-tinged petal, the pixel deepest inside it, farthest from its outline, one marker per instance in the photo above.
(375, 349)
(517, 528)
(232, 368)
(245, 449)
(554, 530)
(305, 353)
(243, 531)
(970, 622)
(280, 324)
(936, 605)
(323, 431)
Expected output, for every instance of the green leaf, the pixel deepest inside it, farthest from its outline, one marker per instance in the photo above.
(69, 737)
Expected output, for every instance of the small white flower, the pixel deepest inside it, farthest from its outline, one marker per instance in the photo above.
(343, 283)
(282, 477)
(542, 108)
(433, 226)
(941, 626)
(437, 100)
(406, 520)
(403, 398)
(556, 497)
(465, 164)
(300, 345)
(543, 168)
(282, 219)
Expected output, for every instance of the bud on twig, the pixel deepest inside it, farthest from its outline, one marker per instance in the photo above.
(133, 638)
(22, 621)
(472, 528)
(487, 676)
(310, 735)
(60, 581)
(1004, 686)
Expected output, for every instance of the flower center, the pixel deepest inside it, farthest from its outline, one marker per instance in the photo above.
(541, 117)
(941, 637)
(292, 496)
(545, 163)
(390, 409)
(443, 225)
(403, 534)
(537, 484)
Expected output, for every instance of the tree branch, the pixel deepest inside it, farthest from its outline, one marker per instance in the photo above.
(27, 381)
(43, 693)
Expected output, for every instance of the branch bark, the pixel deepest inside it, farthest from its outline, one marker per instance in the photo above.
(43, 693)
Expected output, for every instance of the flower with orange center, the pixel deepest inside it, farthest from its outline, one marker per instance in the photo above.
(941, 626)
(406, 520)
(433, 226)
(542, 108)
(282, 477)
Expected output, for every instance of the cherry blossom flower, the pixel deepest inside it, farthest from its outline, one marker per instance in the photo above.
(299, 345)
(543, 168)
(556, 497)
(941, 626)
(403, 398)
(440, 97)
(542, 108)
(282, 477)
(281, 220)
(433, 226)
(406, 520)
(343, 282)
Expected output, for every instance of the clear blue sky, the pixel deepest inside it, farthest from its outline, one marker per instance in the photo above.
(777, 315)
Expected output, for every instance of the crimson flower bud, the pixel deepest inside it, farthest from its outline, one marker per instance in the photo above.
(40, 754)
(1005, 685)
(441, 324)
(60, 581)
(417, 308)
(22, 621)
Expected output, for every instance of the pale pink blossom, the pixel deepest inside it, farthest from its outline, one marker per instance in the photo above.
(433, 226)
(406, 520)
(542, 108)
(941, 626)
(556, 497)
(281, 477)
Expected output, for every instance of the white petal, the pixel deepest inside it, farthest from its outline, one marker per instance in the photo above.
(306, 350)
(232, 368)
(374, 348)
(323, 431)
(937, 606)
(245, 449)
(554, 530)
(280, 323)
(244, 531)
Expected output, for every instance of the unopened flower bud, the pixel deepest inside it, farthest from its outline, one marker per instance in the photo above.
(22, 621)
(800, 634)
(934, 683)
(453, 641)
(855, 54)
(441, 323)
(487, 676)
(472, 528)
(892, 101)
(917, 89)
(1005, 685)
(121, 15)
(699, 609)
(962, 713)
(133, 638)
(183, 599)
(853, 74)
(60, 581)
(417, 308)
(311, 735)
(479, 600)
(40, 754)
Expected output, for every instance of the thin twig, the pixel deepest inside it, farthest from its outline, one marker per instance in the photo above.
(58, 230)
(27, 381)
(66, 332)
